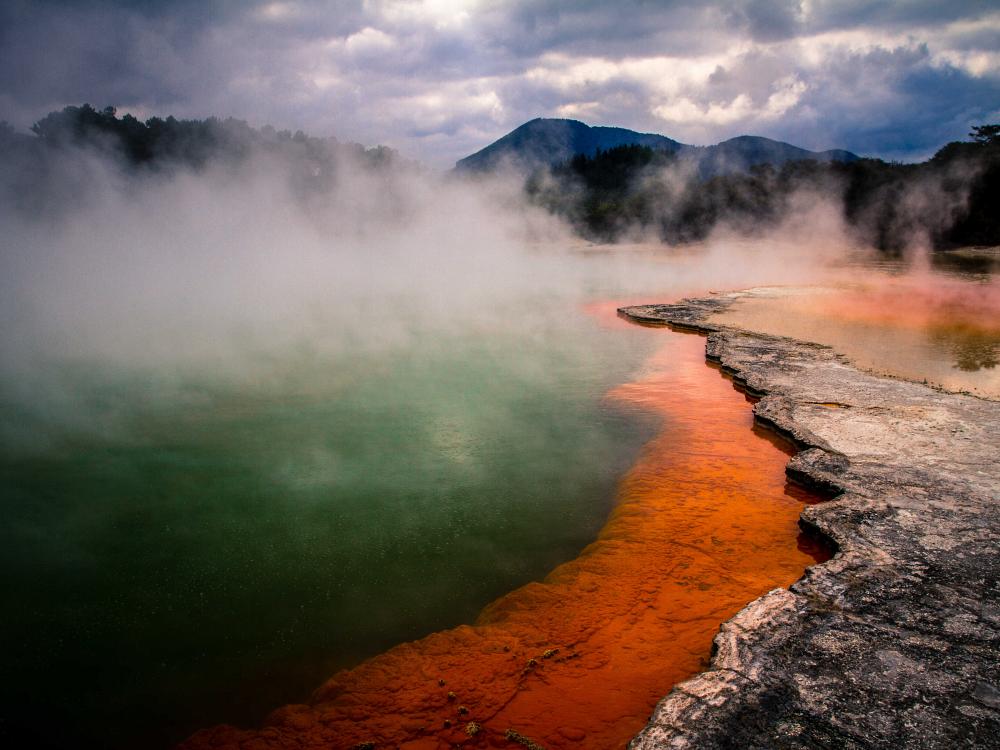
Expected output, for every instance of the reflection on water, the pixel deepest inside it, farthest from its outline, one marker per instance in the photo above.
(971, 347)
(967, 261)
(924, 325)
(705, 522)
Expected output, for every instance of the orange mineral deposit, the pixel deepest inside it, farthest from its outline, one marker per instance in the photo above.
(704, 523)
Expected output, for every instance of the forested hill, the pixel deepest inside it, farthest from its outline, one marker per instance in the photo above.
(947, 201)
(56, 166)
(744, 152)
(166, 141)
(545, 142)
(549, 141)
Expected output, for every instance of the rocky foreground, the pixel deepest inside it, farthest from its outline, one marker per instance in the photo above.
(895, 642)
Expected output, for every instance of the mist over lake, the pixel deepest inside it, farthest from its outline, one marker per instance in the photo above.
(249, 440)
(354, 394)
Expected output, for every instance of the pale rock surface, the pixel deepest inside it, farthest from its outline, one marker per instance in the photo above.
(895, 642)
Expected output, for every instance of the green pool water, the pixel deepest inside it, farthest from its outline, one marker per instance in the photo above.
(222, 545)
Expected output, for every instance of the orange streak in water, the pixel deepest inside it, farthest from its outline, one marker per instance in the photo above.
(917, 303)
(704, 524)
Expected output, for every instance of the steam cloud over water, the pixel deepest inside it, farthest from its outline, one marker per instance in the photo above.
(229, 274)
(260, 422)
(233, 271)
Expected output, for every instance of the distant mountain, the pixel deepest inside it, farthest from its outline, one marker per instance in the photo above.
(742, 152)
(542, 142)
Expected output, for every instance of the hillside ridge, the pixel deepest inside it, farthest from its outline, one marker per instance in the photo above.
(546, 141)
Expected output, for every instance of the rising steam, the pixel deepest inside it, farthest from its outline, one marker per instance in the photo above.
(233, 271)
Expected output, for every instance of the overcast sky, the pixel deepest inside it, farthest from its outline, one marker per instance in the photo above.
(438, 79)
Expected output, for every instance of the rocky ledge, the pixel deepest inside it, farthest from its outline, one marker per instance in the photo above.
(894, 642)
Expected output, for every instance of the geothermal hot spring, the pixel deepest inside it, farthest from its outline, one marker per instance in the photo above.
(234, 474)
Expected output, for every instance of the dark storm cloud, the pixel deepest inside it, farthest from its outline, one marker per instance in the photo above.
(57, 51)
(591, 27)
(878, 14)
(440, 78)
(893, 102)
(767, 20)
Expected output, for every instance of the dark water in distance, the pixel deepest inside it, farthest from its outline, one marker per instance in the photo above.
(225, 548)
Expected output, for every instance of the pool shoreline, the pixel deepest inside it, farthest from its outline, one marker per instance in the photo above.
(705, 521)
(890, 643)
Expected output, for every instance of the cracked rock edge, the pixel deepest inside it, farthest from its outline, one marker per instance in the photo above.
(895, 641)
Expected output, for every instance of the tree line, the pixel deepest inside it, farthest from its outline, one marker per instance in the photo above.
(160, 142)
(53, 167)
(949, 200)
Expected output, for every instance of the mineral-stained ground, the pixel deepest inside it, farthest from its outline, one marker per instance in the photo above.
(895, 642)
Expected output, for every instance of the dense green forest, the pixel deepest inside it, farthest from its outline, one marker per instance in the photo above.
(949, 200)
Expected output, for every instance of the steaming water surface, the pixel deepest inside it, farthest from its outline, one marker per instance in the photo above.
(229, 548)
(248, 438)
(705, 521)
(212, 506)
